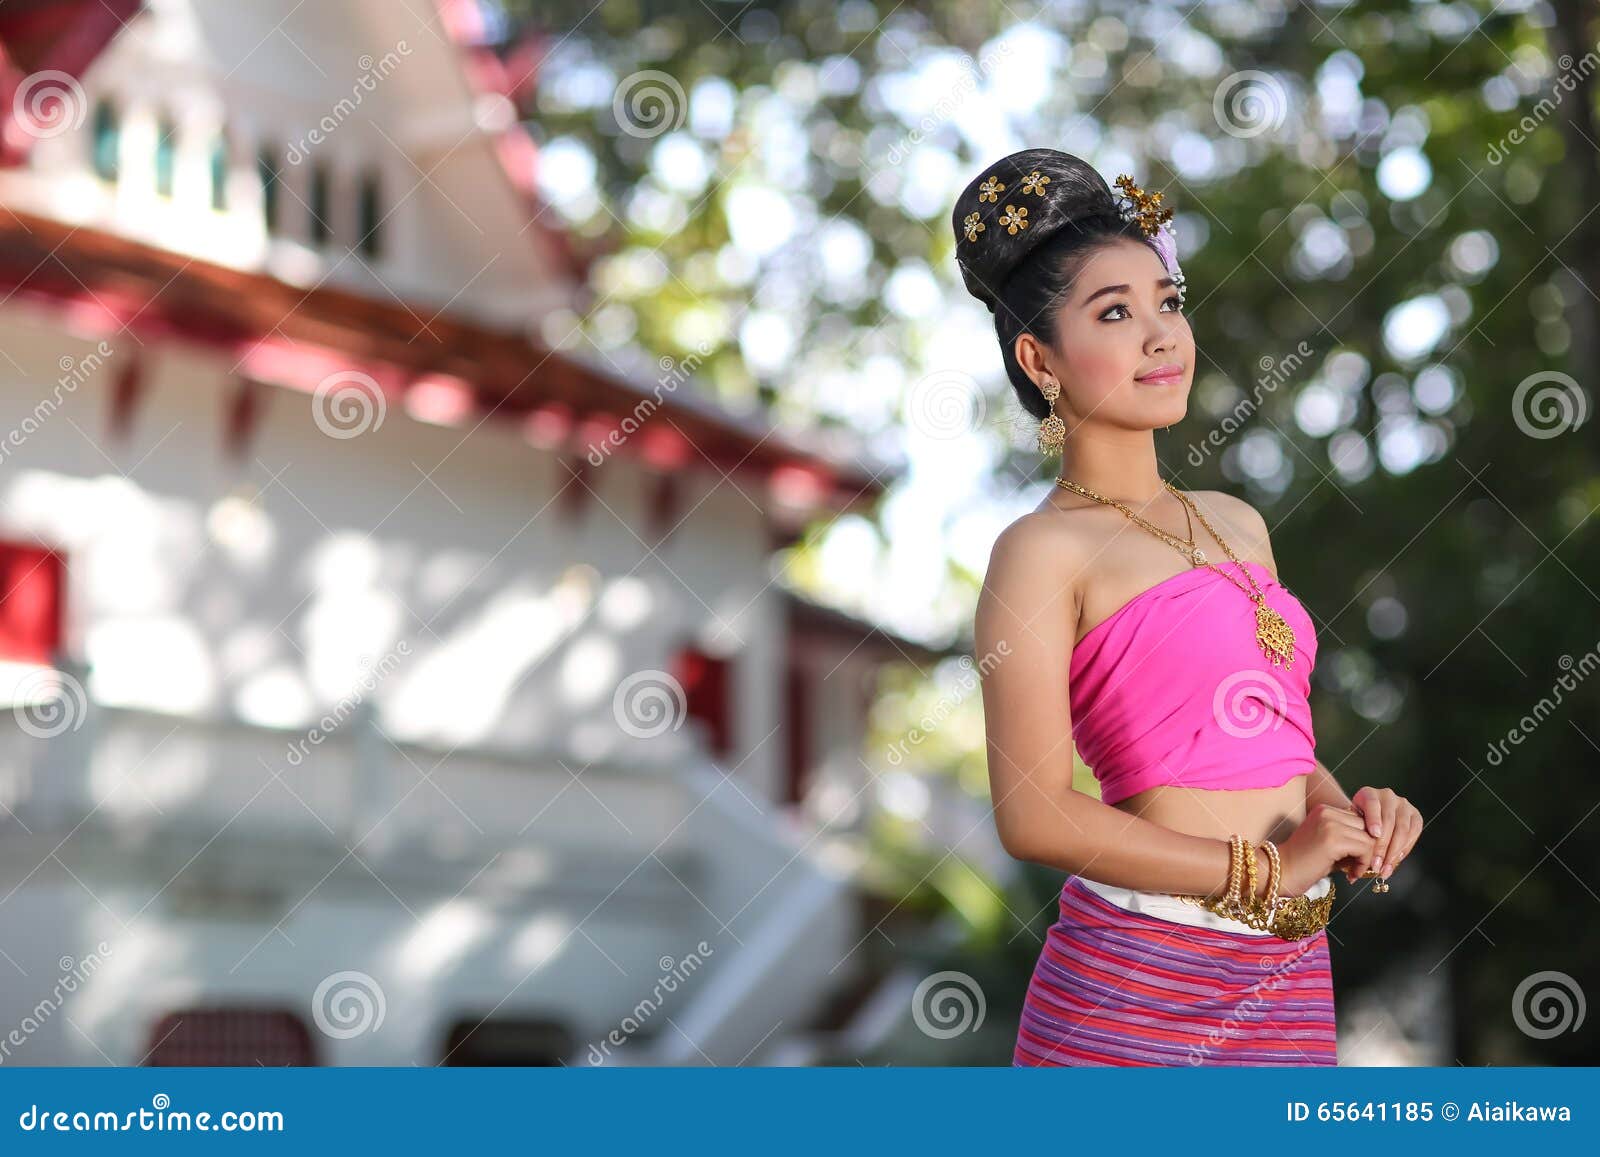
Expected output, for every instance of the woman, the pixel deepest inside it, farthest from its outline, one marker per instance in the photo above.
(1148, 626)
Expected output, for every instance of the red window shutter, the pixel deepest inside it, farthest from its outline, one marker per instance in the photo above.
(30, 602)
(798, 691)
(231, 1036)
(705, 681)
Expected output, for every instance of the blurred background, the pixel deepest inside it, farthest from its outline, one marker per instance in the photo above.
(493, 495)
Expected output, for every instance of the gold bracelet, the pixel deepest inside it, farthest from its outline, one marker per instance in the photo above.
(1230, 896)
(1287, 917)
(1249, 905)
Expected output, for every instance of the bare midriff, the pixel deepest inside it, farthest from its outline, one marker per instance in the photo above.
(1256, 813)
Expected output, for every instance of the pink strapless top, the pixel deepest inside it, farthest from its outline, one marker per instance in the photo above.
(1174, 689)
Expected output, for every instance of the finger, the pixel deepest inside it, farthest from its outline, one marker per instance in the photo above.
(1387, 822)
(1369, 804)
(1411, 830)
(1347, 818)
(1356, 844)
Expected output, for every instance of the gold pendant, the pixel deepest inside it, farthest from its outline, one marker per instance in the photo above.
(1275, 636)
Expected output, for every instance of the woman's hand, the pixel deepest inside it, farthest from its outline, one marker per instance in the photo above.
(1326, 837)
(1394, 825)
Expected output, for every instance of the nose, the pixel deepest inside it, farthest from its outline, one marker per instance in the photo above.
(1164, 337)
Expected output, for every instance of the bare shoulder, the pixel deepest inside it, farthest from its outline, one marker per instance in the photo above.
(1242, 524)
(1036, 564)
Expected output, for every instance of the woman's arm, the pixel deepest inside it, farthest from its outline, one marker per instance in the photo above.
(1321, 787)
(1024, 631)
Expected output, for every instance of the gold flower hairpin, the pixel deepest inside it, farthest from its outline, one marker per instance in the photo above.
(1015, 217)
(1143, 207)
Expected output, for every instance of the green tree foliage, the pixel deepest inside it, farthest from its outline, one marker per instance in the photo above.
(1389, 214)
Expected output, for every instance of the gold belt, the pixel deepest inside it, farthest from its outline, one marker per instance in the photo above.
(1291, 918)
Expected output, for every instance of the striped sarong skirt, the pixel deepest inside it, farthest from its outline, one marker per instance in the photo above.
(1120, 987)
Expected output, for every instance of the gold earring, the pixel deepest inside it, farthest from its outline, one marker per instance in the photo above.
(1052, 431)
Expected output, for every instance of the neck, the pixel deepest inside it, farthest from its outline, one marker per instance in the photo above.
(1119, 465)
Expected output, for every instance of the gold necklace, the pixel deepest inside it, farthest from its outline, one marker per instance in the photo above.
(1274, 635)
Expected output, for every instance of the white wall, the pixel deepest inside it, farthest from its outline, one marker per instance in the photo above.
(355, 84)
(268, 590)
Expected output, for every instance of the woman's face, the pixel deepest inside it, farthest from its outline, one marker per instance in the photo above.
(1121, 322)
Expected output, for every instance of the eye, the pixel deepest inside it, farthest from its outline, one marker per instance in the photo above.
(1174, 300)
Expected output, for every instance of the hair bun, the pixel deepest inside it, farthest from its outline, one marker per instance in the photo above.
(1016, 204)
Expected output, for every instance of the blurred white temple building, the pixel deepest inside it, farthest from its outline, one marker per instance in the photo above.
(391, 679)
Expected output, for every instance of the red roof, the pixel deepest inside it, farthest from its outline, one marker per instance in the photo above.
(44, 47)
(297, 337)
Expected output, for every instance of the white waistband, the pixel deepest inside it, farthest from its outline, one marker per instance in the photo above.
(1164, 906)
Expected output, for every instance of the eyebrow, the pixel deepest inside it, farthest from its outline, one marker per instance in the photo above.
(1105, 289)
